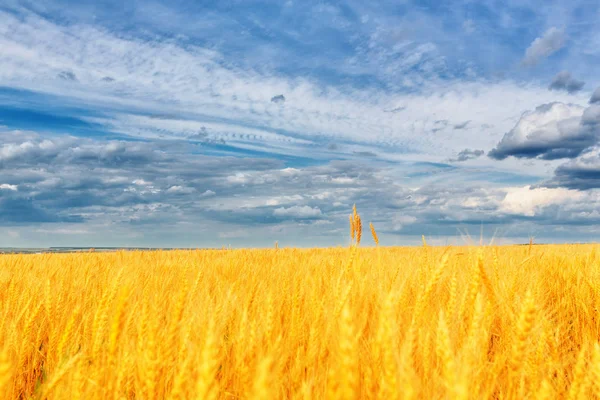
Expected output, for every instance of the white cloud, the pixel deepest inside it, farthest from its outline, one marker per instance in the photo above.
(279, 200)
(180, 189)
(550, 131)
(527, 201)
(297, 212)
(6, 186)
(208, 193)
(399, 221)
(343, 180)
(551, 41)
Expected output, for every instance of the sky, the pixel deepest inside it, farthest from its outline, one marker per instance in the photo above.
(242, 123)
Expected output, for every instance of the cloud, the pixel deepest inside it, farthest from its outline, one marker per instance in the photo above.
(581, 173)
(233, 99)
(70, 176)
(299, 212)
(208, 193)
(278, 99)
(364, 153)
(6, 186)
(467, 154)
(528, 201)
(551, 41)
(462, 125)
(67, 76)
(551, 131)
(400, 221)
(188, 196)
(595, 96)
(564, 81)
(180, 189)
(396, 109)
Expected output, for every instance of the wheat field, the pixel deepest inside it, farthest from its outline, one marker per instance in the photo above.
(473, 322)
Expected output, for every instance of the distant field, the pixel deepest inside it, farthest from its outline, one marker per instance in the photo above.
(31, 250)
(509, 322)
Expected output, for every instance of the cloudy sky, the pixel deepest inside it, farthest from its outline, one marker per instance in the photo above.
(162, 123)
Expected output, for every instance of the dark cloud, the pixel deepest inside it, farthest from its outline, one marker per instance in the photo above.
(439, 125)
(467, 154)
(364, 153)
(552, 131)
(65, 177)
(67, 76)
(462, 125)
(108, 79)
(122, 185)
(278, 99)
(550, 42)
(595, 97)
(564, 81)
(18, 210)
(581, 173)
(395, 109)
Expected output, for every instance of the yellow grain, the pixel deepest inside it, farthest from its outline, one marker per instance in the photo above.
(384, 323)
(207, 386)
(262, 388)
(374, 234)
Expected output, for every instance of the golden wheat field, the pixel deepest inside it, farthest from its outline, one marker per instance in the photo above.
(477, 322)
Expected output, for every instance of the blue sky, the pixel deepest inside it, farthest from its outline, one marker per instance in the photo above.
(244, 122)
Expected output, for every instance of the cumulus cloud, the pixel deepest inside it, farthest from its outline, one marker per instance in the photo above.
(564, 81)
(467, 154)
(595, 97)
(300, 212)
(581, 173)
(551, 41)
(180, 189)
(551, 131)
(208, 193)
(400, 221)
(528, 201)
(6, 186)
